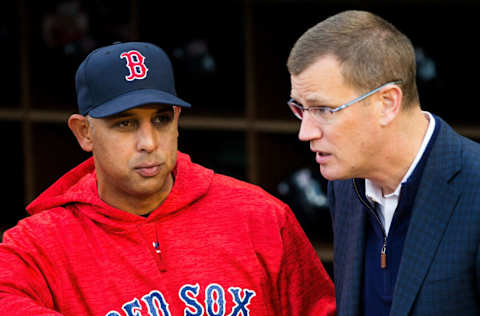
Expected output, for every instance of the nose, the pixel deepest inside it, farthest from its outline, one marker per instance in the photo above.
(309, 129)
(146, 138)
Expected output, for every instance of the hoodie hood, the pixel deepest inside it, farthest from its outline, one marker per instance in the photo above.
(78, 187)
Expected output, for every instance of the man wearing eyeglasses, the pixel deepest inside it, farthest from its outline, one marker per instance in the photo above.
(404, 188)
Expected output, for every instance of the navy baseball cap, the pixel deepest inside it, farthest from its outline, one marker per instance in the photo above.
(122, 76)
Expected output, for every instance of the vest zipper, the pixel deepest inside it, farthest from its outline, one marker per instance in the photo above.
(383, 252)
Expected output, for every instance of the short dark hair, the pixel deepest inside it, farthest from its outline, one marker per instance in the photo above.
(370, 50)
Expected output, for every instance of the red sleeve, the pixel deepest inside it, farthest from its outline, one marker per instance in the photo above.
(23, 286)
(305, 287)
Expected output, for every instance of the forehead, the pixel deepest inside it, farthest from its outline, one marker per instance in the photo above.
(320, 82)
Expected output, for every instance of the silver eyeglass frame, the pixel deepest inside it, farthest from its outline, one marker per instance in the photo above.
(292, 103)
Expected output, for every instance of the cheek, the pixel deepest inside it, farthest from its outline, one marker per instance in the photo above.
(170, 148)
(363, 147)
(111, 152)
(350, 141)
(168, 139)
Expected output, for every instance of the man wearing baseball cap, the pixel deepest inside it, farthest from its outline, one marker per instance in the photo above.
(139, 229)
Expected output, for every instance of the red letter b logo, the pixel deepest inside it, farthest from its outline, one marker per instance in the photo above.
(136, 65)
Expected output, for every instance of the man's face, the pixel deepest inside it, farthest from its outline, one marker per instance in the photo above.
(345, 146)
(135, 152)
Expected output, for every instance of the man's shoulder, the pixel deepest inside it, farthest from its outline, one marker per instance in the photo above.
(43, 228)
(239, 191)
(44, 221)
(469, 152)
(469, 176)
(447, 134)
(225, 182)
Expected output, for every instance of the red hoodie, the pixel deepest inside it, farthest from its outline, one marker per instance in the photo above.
(216, 246)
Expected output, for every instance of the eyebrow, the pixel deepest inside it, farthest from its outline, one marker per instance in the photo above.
(317, 99)
(314, 99)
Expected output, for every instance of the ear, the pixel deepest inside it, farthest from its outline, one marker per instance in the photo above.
(177, 110)
(80, 127)
(391, 97)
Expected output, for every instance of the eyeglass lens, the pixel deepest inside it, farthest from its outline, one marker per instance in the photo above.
(297, 111)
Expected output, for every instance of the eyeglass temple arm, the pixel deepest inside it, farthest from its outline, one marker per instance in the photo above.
(362, 97)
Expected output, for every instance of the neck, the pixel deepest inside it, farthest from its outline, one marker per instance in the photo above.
(405, 139)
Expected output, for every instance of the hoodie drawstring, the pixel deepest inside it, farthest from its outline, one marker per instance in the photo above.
(156, 246)
(150, 233)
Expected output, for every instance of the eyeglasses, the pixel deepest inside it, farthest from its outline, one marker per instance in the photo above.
(324, 114)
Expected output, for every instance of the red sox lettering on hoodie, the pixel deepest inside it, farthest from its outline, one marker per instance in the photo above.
(214, 304)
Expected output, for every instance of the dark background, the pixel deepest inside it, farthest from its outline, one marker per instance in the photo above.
(229, 61)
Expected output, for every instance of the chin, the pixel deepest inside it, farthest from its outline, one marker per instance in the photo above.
(149, 188)
(331, 175)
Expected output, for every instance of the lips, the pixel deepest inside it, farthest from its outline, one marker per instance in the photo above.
(322, 157)
(148, 170)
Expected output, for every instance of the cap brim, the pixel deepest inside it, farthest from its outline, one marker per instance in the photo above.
(135, 99)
